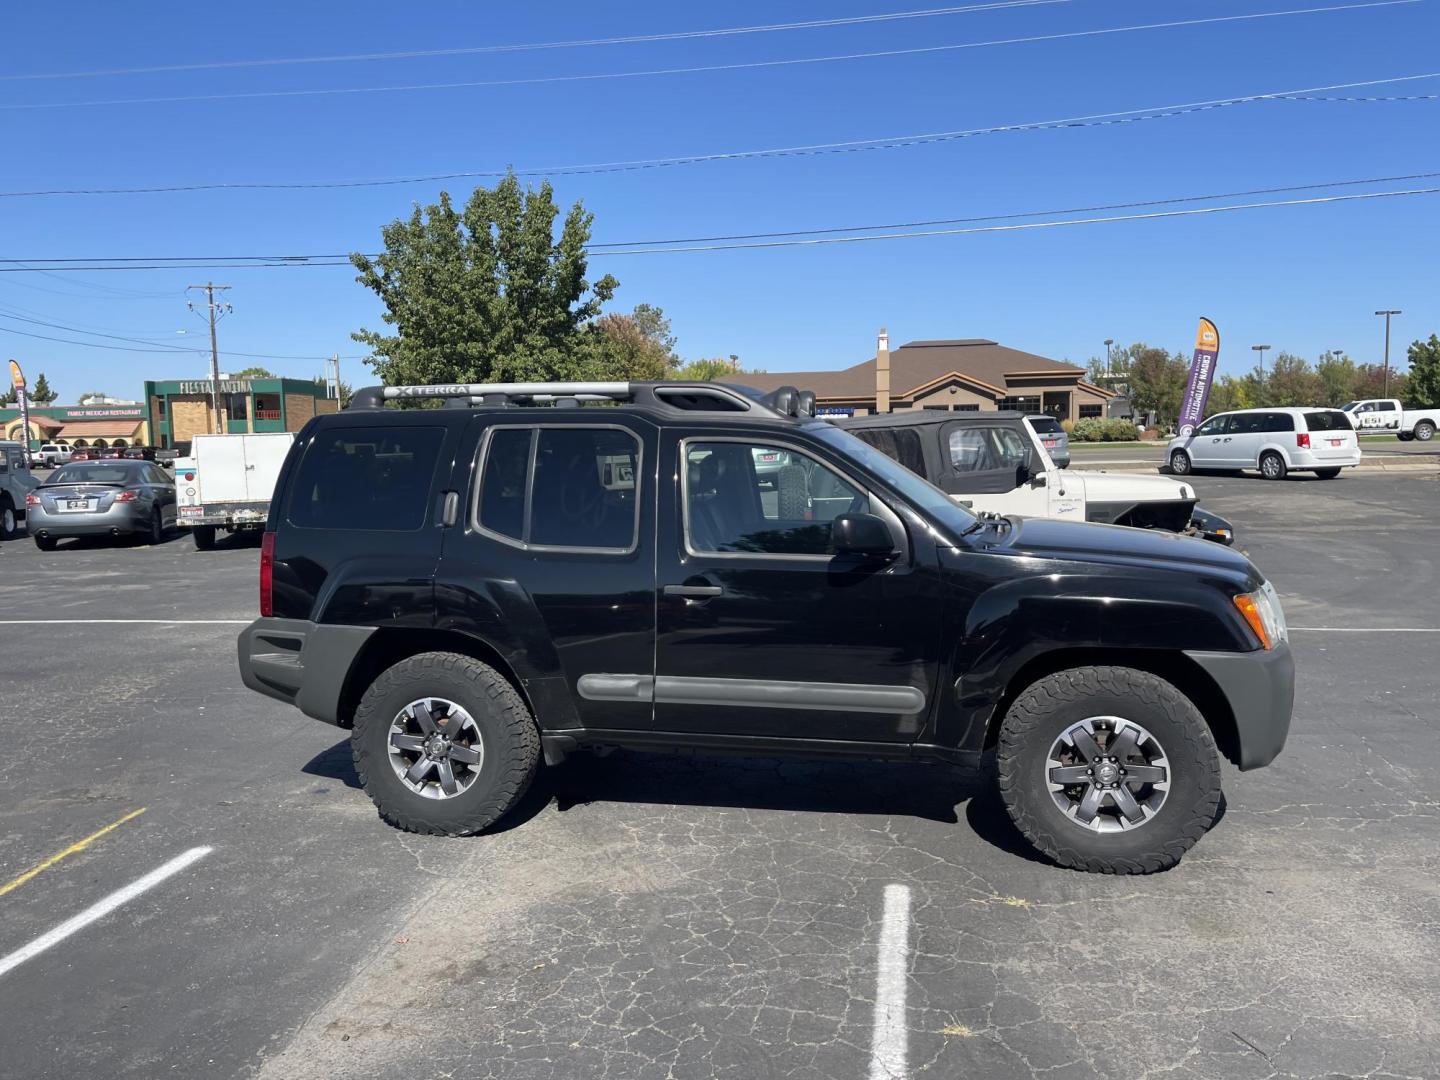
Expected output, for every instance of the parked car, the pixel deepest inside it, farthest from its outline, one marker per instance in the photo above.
(768, 463)
(166, 455)
(139, 453)
(52, 454)
(226, 483)
(16, 482)
(994, 462)
(111, 453)
(1053, 438)
(85, 453)
(1381, 415)
(102, 498)
(1275, 441)
(470, 589)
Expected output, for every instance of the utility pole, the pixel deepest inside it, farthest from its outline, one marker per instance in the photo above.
(213, 312)
(1387, 315)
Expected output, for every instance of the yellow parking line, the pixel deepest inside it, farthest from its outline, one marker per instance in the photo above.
(78, 846)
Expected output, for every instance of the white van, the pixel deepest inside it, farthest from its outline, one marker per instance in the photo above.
(1274, 441)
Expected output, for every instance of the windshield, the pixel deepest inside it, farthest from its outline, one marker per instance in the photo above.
(924, 495)
(99, 473)
(1348, 406)
(1047, 424)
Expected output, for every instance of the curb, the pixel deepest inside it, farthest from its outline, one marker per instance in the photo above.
(1374, 466)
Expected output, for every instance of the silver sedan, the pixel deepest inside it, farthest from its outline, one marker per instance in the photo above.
(101, 498)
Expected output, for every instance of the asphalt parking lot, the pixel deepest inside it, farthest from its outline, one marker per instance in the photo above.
(648, 916)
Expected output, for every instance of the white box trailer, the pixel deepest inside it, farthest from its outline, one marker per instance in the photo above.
(227, 481)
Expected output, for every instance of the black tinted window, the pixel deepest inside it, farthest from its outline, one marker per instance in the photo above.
(1278, 422)
(366, 478)
(1327, 421)
(582, 493)
(898, 444)
(1047, 424)
(584, 484)
(1247, 423)
(502, 481)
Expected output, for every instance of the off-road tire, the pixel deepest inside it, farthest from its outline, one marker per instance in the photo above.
(46, 543)
(1050, 706)
(204, 537)
(9, 521)
(1327, 474)
(1424, 431)
(792, 493)
(1180, 463)
(510, 737)
(1280, 468)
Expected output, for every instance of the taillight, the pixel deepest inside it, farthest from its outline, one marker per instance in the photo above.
(31, 499)
(1302, 440)
(189, 476)
(127, 496)
(267, 575)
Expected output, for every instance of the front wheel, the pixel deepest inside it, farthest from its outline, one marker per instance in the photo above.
(1272, 466)
(1327, 474)
(1108, 769)
(1424, 431)
(1180, 463)
(444, 745)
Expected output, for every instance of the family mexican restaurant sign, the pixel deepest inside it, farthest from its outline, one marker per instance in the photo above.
(128, 412)
(223, 386)
(1202, 374)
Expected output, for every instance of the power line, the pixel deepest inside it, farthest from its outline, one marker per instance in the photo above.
(630, 39)
(748, 65)
(1318, 200)
(156, 347)
(820, 235)
(883, 142)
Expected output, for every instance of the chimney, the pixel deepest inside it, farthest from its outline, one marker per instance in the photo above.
(882, 372)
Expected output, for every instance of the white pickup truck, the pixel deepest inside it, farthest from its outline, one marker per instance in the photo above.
(226, 483)
(1386, 415)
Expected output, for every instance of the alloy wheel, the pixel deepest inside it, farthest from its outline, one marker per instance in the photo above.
(1107, 774)
(435, 748)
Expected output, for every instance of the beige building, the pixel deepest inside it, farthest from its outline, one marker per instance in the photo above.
(962, 374)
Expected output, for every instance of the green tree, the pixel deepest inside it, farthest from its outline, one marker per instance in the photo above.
(1337, 379)
(1227, 393)
(637, 346)
(715, 368)
(40, 393)
(255, 373)
(487, 293)
(1157, 379)
(1424, 376)
(1370, 382)
(1292, 381)
(8, 397)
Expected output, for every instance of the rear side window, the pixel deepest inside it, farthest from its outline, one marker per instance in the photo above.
(1329, 420)
(1278, 422)
(366, 478)
(561, 487)
(898, 444)
(981, 449)
(1048, 424)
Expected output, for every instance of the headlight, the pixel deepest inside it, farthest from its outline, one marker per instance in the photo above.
(1264, 615)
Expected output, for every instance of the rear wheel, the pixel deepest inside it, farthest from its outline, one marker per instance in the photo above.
(156, 533)
(1272, 466)
(9, 523)
(1424, 431)
(204, 537)
(45, 543)
(1108, 769)
(1327, 474)
(444, 744)
(1180, 463)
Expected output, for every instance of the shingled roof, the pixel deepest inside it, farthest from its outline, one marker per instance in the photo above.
(918, 364)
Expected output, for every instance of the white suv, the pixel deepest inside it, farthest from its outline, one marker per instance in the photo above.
(1275, 441)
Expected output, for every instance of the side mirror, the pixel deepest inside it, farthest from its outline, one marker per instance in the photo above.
(860, 534)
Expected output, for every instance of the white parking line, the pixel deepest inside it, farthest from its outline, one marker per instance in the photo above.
(98, 911)
(889, 1041)
(125, 622)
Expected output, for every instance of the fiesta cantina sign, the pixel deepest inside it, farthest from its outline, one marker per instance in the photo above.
(223, 386)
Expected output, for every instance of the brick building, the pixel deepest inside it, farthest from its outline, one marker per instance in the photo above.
(181, 409)
(960, 374)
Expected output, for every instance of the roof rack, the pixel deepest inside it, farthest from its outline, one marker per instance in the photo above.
(685, 396)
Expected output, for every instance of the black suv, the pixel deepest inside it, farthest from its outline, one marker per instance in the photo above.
(536, 568)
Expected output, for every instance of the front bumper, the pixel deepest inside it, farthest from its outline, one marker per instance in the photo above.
(301, 663)
(1260, 689)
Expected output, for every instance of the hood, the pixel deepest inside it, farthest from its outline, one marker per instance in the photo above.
(1116, 545)
(1131, 487)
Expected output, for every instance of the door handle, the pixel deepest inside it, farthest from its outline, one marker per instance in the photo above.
(693, 590)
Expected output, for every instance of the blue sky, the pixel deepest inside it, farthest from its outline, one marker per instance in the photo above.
(1300, 278)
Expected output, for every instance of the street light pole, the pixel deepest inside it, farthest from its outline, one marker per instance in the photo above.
(1108, 363)
(1387, 315)
(1260, 349)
